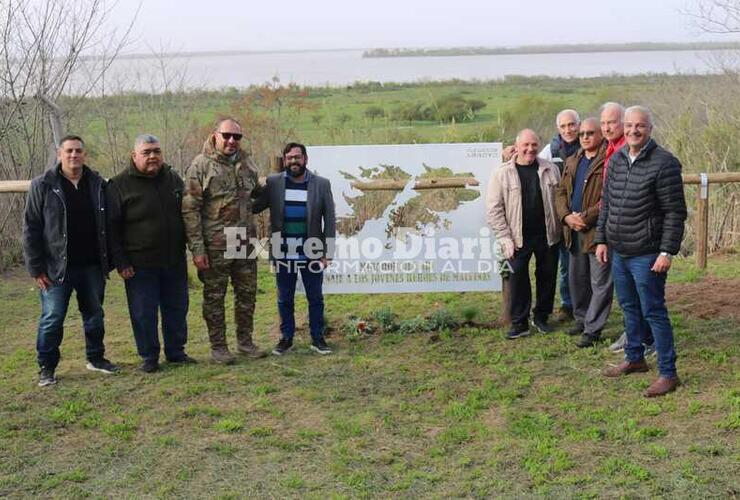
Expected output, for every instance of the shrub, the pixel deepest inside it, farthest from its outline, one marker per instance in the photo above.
(386, 319)
(441, 319)
(413, 325)
(374, 112)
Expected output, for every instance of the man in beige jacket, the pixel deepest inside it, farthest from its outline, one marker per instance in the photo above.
(520, 209)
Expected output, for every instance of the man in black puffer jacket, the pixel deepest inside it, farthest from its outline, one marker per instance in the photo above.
(641, 225)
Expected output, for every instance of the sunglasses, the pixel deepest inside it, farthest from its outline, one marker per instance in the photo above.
(586, 133)
(229, 135)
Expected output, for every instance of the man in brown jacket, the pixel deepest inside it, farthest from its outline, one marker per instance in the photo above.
(520, 209)
(577, 200)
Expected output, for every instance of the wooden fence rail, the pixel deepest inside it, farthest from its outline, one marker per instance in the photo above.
(702, 198)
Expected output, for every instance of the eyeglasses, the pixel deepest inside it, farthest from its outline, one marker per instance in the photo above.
(149, 152)
(586, 133)
(229, 135)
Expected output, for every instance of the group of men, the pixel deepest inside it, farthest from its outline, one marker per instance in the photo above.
(78, 227)
(602, 198)
(607, 201)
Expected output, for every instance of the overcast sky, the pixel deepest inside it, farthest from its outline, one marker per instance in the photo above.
(197, 25)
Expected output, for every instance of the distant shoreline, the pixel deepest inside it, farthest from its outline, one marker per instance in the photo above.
(453, 51)
(548, 49)
(223, 53)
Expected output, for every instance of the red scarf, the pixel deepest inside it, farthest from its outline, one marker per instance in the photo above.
(611, 148)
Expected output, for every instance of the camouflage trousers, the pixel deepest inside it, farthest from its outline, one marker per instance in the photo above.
(243, 274)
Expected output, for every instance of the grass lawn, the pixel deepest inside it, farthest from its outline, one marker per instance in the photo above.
(459, 412)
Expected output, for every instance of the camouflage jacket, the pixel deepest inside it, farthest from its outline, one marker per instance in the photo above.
(217, 195)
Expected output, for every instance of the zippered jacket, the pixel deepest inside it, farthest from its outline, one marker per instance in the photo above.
(643, 204)
(45, 224)
(591, 197)
(504, 203)
(218, 194)
(145, 219)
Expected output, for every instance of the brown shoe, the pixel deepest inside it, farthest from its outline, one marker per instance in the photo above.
(222, 355)
(662, 386)
(625, 368)
(251, 350)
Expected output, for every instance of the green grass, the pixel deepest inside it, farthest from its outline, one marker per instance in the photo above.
(465, 413)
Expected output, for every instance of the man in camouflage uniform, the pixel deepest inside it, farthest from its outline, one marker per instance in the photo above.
(218, 184)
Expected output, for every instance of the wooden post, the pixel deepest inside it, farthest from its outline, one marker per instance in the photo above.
(276, 163)
(702, 221)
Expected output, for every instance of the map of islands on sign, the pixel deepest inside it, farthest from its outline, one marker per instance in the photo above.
(380, 187)
(405, 213)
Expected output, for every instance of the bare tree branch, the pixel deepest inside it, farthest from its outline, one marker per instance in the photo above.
(717, 16)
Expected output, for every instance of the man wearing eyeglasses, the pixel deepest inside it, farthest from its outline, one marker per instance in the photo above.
(577, 201)
(563, 145)
(147, 241)
(640, 228)
(303, 225)
(219, 185)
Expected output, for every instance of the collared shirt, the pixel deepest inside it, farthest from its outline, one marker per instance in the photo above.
(579, 183)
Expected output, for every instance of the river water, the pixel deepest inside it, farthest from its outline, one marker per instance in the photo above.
(343, 67)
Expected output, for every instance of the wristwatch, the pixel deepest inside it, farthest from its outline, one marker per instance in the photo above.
(667, 255)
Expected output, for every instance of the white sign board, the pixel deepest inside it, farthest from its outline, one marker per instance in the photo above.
(410, 218)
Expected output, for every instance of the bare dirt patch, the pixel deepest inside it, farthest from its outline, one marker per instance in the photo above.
(709, 298)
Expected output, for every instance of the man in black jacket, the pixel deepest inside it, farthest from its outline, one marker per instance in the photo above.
(65, 249)
(147, 239)
(642, 223)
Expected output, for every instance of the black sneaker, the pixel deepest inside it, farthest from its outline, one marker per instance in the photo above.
(541, 325)
(149, 366)
(320, 347)
(46, 377)
(517, 331)
(282, 347)
(588, 339)
(183, 360)
(102, 365)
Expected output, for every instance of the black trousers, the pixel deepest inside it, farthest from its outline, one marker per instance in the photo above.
(545, 277)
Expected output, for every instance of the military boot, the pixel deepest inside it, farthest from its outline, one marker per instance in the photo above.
(221, 354)
(245, 345)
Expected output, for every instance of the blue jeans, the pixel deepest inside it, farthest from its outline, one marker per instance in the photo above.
(564, 286)
(286, 275)
(641, 294)
(88, 283)
(166, 289)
